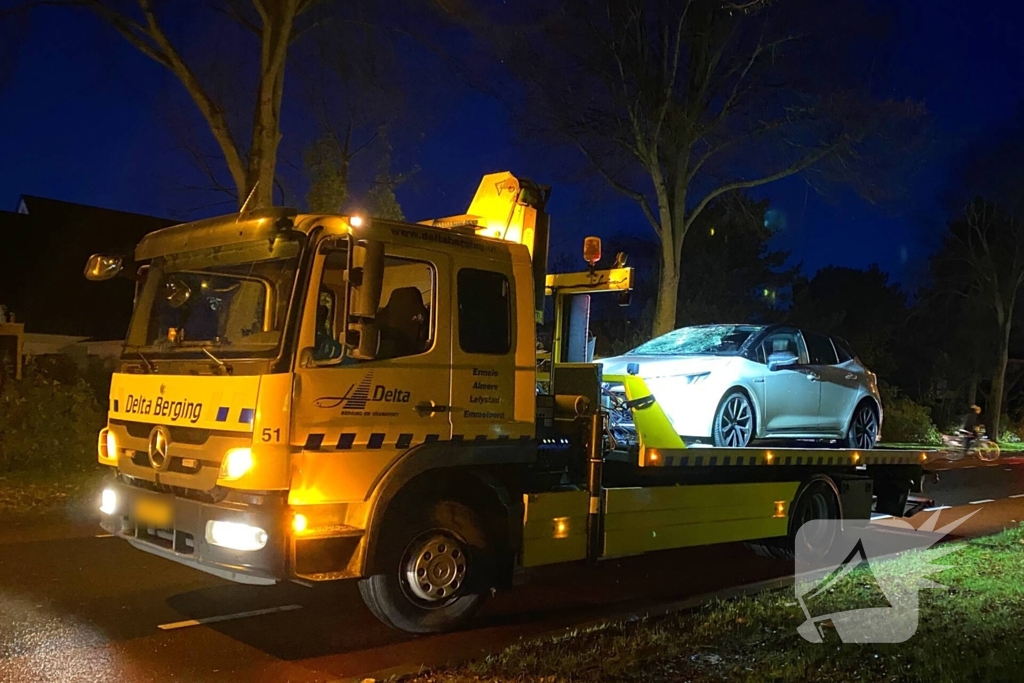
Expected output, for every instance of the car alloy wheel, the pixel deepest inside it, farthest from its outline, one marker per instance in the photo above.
(735, 422)
(864, 428)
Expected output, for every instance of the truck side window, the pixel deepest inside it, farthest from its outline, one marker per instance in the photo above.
(405, 318)
(328, 310)
(485, 312)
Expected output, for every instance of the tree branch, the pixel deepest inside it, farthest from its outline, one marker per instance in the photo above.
(797, 167)
(638, 197)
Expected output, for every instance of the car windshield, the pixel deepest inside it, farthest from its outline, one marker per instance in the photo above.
(230, 300)
(706, 340)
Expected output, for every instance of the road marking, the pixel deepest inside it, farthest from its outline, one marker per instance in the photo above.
(941, 469)
(1018, 495)
(979, 502)
(304, 584)
(969, 467)
(941, 507)
(875, 516)
(104, 536)
(227, 617)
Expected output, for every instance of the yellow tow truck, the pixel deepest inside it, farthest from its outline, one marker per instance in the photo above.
(326, 397)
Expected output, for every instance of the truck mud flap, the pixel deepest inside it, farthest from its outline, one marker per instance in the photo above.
(916, 504)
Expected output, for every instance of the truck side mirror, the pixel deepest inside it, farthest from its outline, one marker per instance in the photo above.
(365, 282)
(102, 267)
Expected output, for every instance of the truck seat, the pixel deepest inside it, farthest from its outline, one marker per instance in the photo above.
(403, 324)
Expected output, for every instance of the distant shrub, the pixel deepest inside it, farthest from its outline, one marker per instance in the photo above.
(48, 423)
(907, 421)
(1010, 431)
(1009, 436)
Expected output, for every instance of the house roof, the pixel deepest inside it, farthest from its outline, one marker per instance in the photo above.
(45, 245)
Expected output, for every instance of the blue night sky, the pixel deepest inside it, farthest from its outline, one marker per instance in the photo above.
(84, 119)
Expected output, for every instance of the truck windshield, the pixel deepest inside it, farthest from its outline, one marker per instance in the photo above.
(705, 340)
(232, 300)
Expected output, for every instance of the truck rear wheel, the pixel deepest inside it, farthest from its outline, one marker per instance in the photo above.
(818, 499)
(436, 568)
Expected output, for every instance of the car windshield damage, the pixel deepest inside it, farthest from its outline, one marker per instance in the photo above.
(231, 301)
(706, 340)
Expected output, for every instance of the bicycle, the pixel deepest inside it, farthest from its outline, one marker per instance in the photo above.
(976, 444)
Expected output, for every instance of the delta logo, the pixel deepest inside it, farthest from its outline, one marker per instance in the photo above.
(361, 394)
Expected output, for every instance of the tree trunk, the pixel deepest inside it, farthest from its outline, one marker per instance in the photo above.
(995, 406)
(668, 288)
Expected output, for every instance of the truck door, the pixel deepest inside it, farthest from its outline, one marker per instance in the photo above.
(483, 352)
(362, 414)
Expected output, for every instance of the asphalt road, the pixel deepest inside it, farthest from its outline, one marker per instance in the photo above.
(78, 607)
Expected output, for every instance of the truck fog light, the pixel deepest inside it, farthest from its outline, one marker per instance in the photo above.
(235, 535)
(108, 501)
(237, 462)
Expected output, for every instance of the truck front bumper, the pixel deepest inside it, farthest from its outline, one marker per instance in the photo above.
(183, 536)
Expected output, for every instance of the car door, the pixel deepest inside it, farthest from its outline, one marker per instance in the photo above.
(838, 387)
(791, 396)
(850, 379)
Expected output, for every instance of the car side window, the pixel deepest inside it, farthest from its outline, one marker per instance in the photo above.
(783, 341)
(842, 350)
(820, 349)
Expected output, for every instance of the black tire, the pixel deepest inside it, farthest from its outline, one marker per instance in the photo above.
(863, 429)
(816, 500)
(735, 423)
(459, 555)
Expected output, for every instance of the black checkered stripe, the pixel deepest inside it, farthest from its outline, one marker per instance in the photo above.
(346, 441)
(694, 458)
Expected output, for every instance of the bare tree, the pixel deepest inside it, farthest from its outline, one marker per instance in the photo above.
(276, 25)
(675, 104)
(982, 260)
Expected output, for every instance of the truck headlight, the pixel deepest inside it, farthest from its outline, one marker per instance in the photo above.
(237, 462)
(235, 535)
(108, 501)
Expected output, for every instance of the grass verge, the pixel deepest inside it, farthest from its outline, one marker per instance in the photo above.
(32, 493)
(1005, 447)
(970, 632)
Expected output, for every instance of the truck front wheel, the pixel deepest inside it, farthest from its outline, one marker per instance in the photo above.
(435, 569)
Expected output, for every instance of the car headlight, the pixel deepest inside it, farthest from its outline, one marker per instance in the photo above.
(237, 462)
(696, 377)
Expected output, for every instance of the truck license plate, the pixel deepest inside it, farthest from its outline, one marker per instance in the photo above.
(153, 511)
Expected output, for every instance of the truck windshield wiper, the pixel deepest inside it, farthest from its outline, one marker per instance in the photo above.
(149, 365)
(208, 352)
